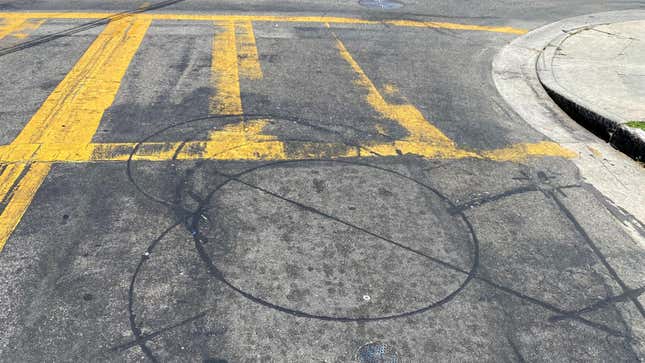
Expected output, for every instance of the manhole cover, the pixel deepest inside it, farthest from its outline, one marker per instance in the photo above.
(381, 4)
(377, 353)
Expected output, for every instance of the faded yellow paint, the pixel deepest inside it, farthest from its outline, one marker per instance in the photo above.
(224, 72)
(381, 129)
(421, 148)
(232, 144)
(270, 18)
(72, 112)
(408, 116)
(234, 55)
(243, 141)
(595, 152)
(519, 152)
(8, 178)
(62, 129)
(249, 64)
(9, 25)
(74, 109)
(18, 28)
(20, 199)
(456, 26)
(390, 89)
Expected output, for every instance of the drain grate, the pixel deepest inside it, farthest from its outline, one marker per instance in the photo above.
(381, 4)
(377, 353)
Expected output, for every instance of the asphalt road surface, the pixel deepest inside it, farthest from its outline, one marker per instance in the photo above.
(295, 181)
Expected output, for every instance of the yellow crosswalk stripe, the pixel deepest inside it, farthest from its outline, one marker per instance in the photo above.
(273, 18)
(74, 109)
(62, 129)
(226, 80)
(248, 60)
(21, 197)
(8, 177)
(18, 27)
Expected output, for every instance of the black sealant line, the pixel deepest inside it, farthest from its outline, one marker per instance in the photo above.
(470, 273)
(156, 333)
(235, 117)
(596, 250)
(140, 339)
(516, 350)
(83, 27)
(216, 273)
(492, 198)
(600, 304)
(192, 224)
(136, 331)
(436, 260)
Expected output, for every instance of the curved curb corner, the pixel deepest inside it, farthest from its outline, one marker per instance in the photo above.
(605, 124)
(612, 173)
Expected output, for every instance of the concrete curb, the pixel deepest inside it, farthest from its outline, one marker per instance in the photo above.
(605, 124)
(616, 176)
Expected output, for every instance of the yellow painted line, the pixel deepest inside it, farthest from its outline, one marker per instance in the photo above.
(456, 26)
(62, 129)
(8, 178)
(271, 18)
(27, 28)
(248, 61)
(224, 72)
(18, 27)
(20, 199)
(243, 141)
(72, 112)
(18, 152)
(408, 116)
(234, 54)
(521, 152)
(231, 144)
(9, 25)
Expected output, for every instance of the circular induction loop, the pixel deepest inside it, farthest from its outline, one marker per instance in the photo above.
(180, 185)
(332, 232)
(311, 238)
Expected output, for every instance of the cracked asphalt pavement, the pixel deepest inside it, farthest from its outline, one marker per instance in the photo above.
(297, 181)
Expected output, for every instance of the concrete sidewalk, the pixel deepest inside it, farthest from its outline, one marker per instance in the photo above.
(596, 73)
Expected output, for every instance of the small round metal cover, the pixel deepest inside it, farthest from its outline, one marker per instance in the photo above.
(376, 352)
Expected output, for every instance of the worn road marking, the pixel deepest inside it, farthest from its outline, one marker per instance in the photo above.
(74, 109)
(424, 138)
(224, 72)
(234, 55)
(18, 27)
(231, 144)
(9, 25)
(8, 178)
(520, 152)
(406, 115)
(62, 129)
(272, 18)
(20, 199)
(249, 64)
